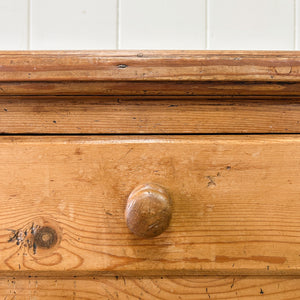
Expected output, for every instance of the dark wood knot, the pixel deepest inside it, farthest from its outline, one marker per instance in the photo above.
(45, 237)
(148, 211)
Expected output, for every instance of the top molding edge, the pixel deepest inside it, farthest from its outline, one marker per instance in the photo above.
(251, 68)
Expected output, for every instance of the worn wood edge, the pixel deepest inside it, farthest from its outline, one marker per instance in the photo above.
(149, 65)
(152, 273)
(150, 72)
(90, 276)
(231, 287)
(139, 139)
(156, 98)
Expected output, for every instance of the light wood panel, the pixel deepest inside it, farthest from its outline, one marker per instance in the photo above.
(150, 72)
(184, 288)
(113, 115)
(235, 205)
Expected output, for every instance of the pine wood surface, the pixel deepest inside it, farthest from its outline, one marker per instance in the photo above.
(162, 287)
(156, 115)
(150, 72)
(235, 197)
(149, 65)
(151, 88)
(235, 205)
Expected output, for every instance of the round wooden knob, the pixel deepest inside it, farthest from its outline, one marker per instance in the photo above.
(148, 210)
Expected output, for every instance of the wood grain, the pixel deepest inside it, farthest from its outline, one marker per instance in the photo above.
(139, 115)
(150, 66)
(185, 288)
(235, 205)
(151, 88)
(150, 72)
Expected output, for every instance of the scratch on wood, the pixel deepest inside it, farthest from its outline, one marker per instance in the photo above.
(232, 285)
(122, 66)
(127, 153)
(211, 181)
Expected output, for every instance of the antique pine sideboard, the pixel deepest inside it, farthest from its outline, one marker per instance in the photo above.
(150, 175)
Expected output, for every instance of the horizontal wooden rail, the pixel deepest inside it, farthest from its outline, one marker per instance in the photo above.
(148, 115)
(150, 72)
(148, 288)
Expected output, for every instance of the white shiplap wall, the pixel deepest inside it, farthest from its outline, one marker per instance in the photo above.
(149, 24)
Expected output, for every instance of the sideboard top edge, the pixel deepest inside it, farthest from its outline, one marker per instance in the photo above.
(178, 72)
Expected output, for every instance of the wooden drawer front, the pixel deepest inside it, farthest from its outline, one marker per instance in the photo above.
(236, 204)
